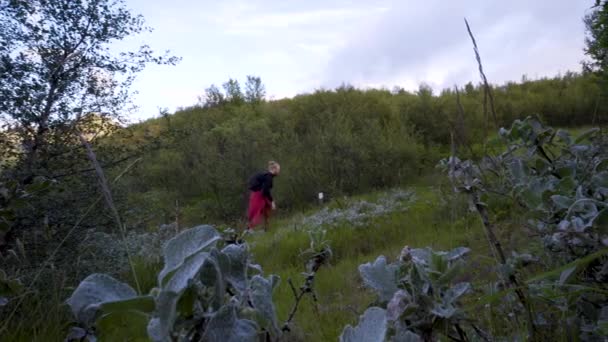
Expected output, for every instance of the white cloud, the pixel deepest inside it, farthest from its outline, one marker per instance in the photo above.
(428, 42)
(297, 46)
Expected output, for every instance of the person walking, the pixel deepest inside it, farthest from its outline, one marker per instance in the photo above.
(261, 202)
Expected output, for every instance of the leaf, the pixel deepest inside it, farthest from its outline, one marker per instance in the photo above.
(439, 264)
(141, 303)
(186, 244)
(455, 269)
(224, 326)
(518, 171)
(566, 185)
(444, 311)
(586, 135)
(372, 327)
(566, 274)
(397, 305)
(421, 255)
(457, 253)
(75, 334)
(187, 302)
(579, 150)
(380, 277)
(261, 298)
(602, 218)
(564, 136)
(160, 326)
(567, 171)
(600, 179)
(404, 335)
(122, 326)
(233, 264)
(456, 291)
(94, 291)
(180, 278)
(211, 276)
(562, 202)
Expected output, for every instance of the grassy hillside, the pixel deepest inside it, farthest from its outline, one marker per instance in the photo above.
(422, 217)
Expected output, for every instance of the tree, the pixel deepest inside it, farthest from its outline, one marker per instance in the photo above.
(56, 67)
(254, 90)
(596, 41)
(233, 92)
(213, 97)
(60, 79)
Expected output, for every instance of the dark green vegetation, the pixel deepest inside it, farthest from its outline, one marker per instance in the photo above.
(80, 194)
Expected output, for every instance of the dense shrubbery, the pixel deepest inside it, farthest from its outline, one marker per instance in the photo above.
(341, 142)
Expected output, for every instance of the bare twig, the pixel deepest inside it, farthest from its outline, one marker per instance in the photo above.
(315, 262)
(294, 309)
(107, 194)
(487, 90)
(497, 247)
(484, 335)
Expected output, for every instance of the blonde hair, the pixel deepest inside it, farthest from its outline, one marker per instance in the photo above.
(273, 165)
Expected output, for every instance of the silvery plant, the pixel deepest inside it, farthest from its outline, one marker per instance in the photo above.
(206, 291)
(418, 298)
(358, 213)
(561, 182)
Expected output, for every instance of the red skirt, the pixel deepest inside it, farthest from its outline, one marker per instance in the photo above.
(259, 209)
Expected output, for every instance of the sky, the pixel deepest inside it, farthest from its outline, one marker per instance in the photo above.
(299, 46)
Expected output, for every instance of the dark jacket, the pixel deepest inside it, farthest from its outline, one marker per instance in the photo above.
(262, 182)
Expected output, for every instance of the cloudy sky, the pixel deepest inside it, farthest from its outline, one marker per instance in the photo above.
(300, 46)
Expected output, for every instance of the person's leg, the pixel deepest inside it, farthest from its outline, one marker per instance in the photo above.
(252, 212)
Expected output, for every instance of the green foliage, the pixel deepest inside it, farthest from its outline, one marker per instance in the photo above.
(596, 23)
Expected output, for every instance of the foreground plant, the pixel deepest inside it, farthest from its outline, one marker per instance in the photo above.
(418, 298)
(562, 183)
(205, 291)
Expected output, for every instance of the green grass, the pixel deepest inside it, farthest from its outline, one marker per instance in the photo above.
(42, 314)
